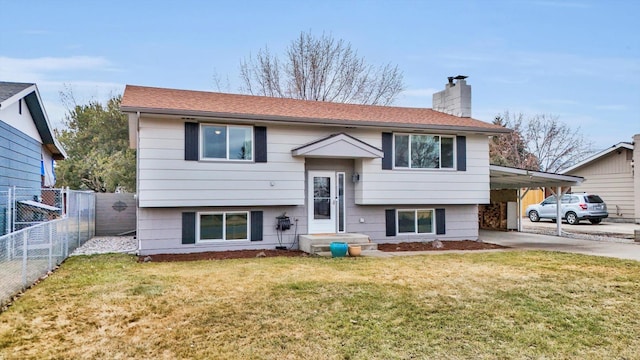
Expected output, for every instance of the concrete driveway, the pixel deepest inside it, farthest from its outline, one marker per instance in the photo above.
(584, 227)
(620, 248)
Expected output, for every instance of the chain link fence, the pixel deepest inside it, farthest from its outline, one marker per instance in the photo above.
(43, 240)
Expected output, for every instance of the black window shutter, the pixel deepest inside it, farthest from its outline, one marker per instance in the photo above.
(461, 150)
(260, 143)
(191, 141)
(387, 149)
(440, 222)
(188, 228)
(390, 220)
(256, 226)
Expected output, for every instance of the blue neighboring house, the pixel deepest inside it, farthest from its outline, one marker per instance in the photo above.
(28, 146)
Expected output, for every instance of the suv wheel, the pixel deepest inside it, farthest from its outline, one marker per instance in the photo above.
(595, 221)
(572, 218)
(533, 216)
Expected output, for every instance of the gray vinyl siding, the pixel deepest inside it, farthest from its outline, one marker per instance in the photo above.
(611, 177)
(19, 159)
(461, 223)
(160, 230)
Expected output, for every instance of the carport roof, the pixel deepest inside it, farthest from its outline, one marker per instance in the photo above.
(503, 177)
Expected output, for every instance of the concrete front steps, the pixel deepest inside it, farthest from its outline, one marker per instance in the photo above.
(318, 244)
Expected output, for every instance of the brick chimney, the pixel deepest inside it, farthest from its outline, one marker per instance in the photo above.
(455, 99)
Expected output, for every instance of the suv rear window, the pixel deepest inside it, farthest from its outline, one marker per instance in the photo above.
(593, 199)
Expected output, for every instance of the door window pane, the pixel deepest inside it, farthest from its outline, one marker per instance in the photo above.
(211, 227)
(240, 143)
(214, 142)
(321, 209)
(321, 187)
(341, 202)
(406, 222)
(425, 221)
(321, 197)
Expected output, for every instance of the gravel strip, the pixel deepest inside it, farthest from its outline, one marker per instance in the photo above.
(608, 237)
(108, 244)
(129, 245)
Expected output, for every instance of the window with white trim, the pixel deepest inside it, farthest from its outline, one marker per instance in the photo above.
(222, 226)
(419, 221)
(226, 142)
(418, 151)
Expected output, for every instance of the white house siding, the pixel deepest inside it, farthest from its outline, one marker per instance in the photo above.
(167, 180)
(20, 120)
(421, 186)
(611, 177)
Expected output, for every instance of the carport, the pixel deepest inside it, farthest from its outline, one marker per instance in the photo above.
(503, 177)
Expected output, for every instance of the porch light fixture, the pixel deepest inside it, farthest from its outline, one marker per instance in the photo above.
(355, 177)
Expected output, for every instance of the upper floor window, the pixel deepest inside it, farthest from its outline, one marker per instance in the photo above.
(227, 142)
(417, 151)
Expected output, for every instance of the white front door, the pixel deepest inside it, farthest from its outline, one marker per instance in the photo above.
(321, 202)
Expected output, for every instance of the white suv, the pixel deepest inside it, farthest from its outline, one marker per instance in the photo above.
(573, 207)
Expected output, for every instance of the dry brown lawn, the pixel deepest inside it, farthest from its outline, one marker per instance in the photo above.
(491, 305)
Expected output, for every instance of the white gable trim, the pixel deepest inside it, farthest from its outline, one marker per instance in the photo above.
(338, 146)
(18, 96)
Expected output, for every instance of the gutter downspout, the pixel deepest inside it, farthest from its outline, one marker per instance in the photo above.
(137, 126)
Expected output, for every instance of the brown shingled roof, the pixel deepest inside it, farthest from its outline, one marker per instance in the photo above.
(189, 103)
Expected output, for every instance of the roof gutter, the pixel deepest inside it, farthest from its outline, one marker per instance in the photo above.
(314, 121)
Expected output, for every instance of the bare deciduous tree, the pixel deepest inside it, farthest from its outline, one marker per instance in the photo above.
(539, 142)
(320, 69)
(555, 144)
(511, 149)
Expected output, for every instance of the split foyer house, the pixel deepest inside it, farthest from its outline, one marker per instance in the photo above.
(222, 171)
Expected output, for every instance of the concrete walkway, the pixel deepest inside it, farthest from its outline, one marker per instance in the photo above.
(624, 249)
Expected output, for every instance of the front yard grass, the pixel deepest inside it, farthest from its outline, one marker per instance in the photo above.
(484, 305)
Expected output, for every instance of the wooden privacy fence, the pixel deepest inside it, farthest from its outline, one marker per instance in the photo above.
(534, 196)
(115, 214)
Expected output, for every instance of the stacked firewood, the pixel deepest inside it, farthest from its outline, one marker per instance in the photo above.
(493, 216)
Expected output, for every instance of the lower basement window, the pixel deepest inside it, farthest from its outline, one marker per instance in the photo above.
(415, 221)
(221, 226)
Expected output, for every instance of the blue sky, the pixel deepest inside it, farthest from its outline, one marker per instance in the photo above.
(576, 59)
